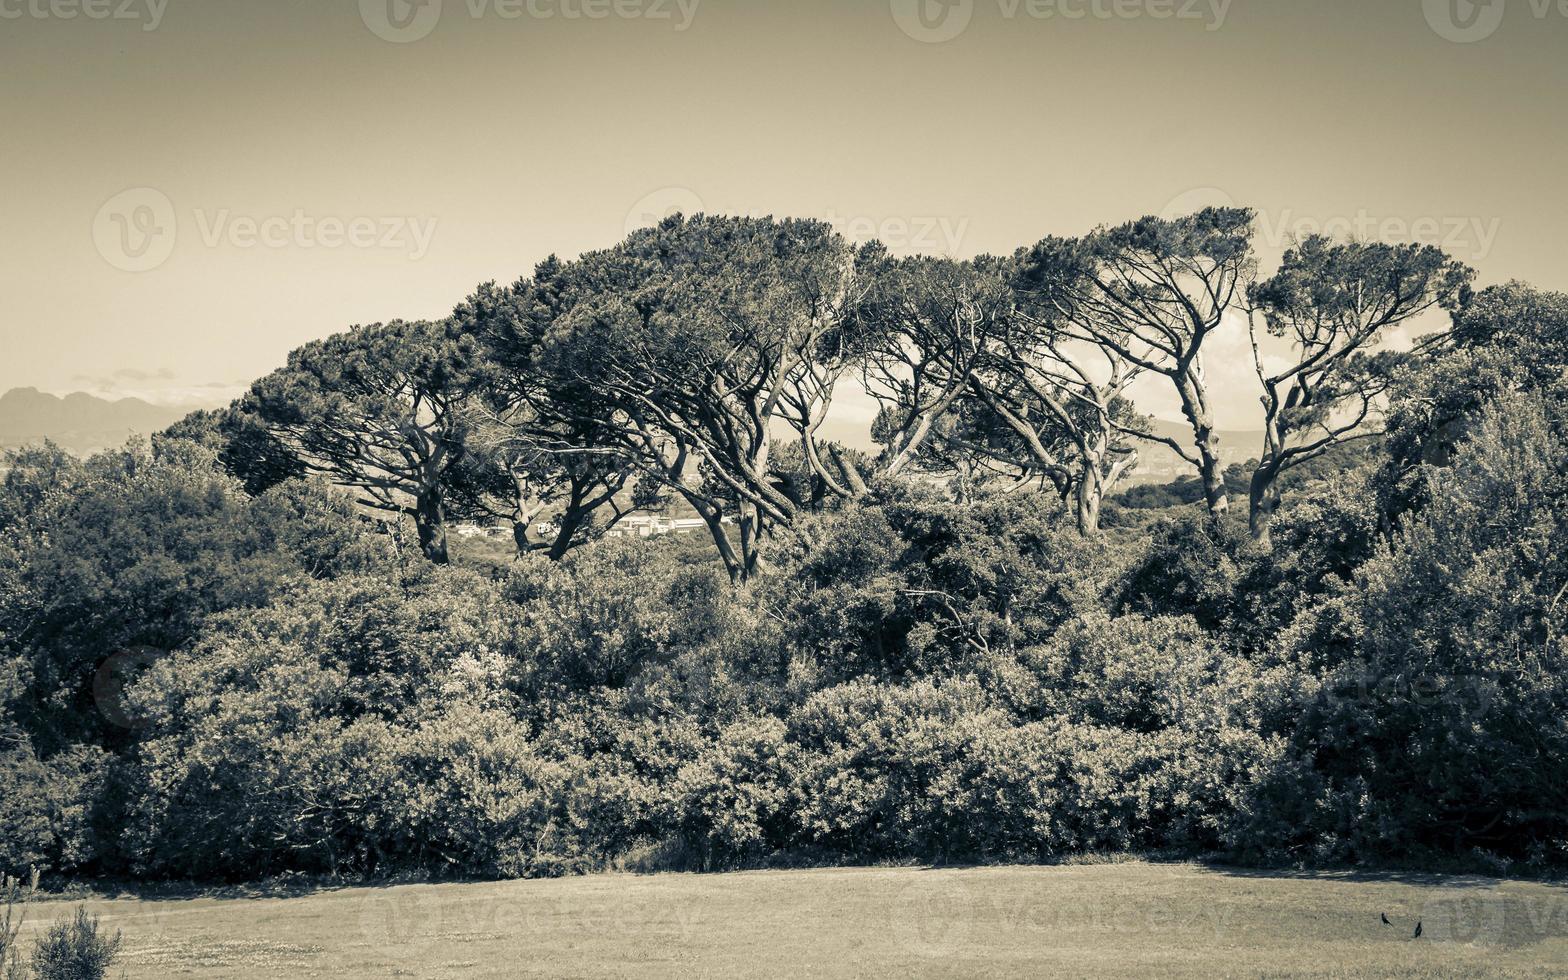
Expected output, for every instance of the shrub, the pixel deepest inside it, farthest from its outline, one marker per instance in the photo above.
(916, 585)
(142, 549)
(1320, 537)
(1441, 729)
(843, 599)
(281, 741)
(1129, 672)
(621, 760)
(1202, 723)
(923, 681)
(48, 809)
(604, 614)
(1190, 567)
(1053, 787)
(472, 797)
(735, 800)
(75, 950)
(880, 766)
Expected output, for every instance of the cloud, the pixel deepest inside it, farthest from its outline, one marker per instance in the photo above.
(157, 387)
(121, 376)
(142, 377)
(211, 395)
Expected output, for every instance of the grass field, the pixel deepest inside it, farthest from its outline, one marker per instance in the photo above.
(1089, 920)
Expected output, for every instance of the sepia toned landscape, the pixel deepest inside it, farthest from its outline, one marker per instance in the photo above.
(578, 488)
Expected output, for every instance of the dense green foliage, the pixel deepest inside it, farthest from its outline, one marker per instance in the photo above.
(214, 668)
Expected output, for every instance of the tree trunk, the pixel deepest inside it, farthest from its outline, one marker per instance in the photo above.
(721, 541)
(847, 470)
(1263, 493)
(914, 438)
(714, 518)
(1095, 481)
(1090, 493)
(749, 524)
(1213, 472)
(1264, 501)
(525, 507)
(570, 522)
(430, 522)
(824, 479)
(1195, 405)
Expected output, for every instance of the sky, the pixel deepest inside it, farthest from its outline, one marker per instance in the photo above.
(192, 188)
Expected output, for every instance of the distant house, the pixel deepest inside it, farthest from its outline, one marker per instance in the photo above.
(649, 525)
(478, 531)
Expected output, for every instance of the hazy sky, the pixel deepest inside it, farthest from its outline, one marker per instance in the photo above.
(194, 187)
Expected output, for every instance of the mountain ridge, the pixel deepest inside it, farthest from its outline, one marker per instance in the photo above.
(79, 422)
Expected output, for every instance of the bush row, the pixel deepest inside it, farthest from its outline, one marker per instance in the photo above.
(926, 681)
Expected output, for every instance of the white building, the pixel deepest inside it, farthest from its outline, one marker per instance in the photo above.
(649, 525)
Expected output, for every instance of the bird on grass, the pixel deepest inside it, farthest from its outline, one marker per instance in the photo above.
(1418, 931)
(1384, 917)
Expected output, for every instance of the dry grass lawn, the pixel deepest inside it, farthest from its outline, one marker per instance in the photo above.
(1105, 920)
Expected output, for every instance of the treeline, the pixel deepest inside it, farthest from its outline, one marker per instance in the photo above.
(215, 666)
(698, 361)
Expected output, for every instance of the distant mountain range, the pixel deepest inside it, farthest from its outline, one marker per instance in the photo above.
(79, 422)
